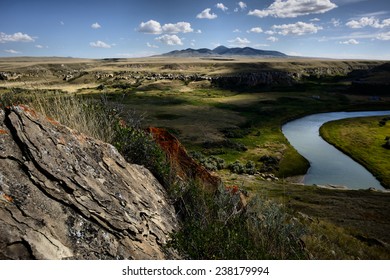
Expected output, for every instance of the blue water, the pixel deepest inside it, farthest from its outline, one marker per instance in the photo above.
(328, 166)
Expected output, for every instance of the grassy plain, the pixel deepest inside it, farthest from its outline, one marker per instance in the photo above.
(205, 117)
(363, 140)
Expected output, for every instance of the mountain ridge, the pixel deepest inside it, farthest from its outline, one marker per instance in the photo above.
(223, 51)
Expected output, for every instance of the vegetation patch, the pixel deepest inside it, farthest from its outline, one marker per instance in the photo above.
(363, 139)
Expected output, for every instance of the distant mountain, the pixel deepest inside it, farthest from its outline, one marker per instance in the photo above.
(223, 51)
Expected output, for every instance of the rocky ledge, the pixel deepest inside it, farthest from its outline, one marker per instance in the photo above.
(64, 195)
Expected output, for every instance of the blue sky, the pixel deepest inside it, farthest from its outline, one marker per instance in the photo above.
(127, 28)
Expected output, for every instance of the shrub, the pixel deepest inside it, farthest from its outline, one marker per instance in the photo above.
(218, 227)
(250, 167)
(237, 167)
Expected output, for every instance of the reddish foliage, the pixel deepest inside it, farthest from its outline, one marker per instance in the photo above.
(182, 163)
(232, 189)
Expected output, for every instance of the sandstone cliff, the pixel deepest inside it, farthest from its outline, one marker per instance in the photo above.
(67, 196)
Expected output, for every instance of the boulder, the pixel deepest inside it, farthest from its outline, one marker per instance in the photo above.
(64, 195)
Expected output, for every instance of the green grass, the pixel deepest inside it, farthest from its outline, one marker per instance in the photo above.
(362, 139)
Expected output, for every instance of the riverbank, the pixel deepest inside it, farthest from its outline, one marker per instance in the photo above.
(362, 140)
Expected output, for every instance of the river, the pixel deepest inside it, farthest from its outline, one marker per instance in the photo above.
(328, 166)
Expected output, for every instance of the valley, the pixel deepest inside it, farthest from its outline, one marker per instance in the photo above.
(228, 115)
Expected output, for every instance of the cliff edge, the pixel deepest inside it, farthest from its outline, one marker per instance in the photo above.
(64, 195)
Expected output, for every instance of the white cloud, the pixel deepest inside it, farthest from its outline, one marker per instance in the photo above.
(41, 47)
(272, 39)
(236, 30)
(16, 37)
(239, 42)
(222, 7)
(154, 27)
(151, 27)
(335, 22)
(255, 30)
(170, 40)
(99, 44)
(96, 25)
(383, 36)
(270, 32)
(294, 8)
(350, 42)
(12, 51)
(261, 45)
(206, 14)
(180, 27)
(299, 28)
(315, 19)
(151, 46)
(368, 21)
(242, 5)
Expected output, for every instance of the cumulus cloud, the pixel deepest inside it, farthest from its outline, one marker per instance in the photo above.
(100, 44)
(180, 27)
(149, 45)
(255, 30)
(272, 39)
(222, 7)
(294, 8)
(151, 27)
(16, 37)
(171, 40)
(368, 21)
(242, 5)
(154, 27)
(239, 42)
(205, 14)
(270, 32)
(384, 36)
(96, 25)
(335, 22)
(350, 42)
(299, 28)
(12, 51)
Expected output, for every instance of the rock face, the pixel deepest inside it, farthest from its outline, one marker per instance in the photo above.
(185, 167)
(67, 196)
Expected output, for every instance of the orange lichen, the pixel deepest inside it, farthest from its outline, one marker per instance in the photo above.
(28, 110)
(8, 198)
(52, 121)
(2, 131)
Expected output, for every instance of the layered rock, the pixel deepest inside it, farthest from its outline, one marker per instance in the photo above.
(64, 195)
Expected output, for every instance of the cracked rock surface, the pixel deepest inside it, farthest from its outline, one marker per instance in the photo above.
(64, 195)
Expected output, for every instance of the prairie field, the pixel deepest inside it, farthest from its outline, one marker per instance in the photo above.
(238, 123)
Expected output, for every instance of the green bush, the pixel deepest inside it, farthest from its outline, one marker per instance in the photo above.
(218, 227)
(237, 167)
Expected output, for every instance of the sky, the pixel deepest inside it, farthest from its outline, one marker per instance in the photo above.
(344, 29)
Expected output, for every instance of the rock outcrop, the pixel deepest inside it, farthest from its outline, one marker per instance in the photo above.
(186, 168)
(64, 195)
